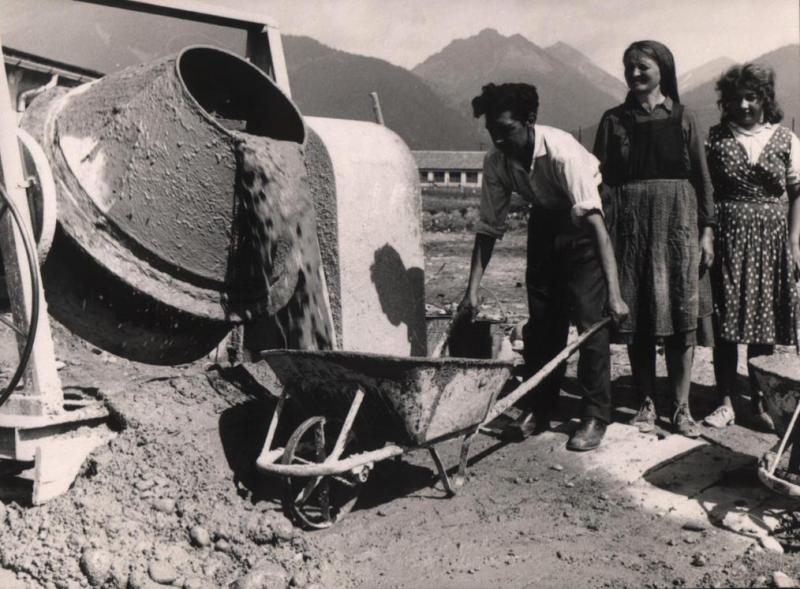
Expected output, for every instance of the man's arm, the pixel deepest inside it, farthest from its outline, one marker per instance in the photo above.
(481, 254)
(616, 306)
(493, 210)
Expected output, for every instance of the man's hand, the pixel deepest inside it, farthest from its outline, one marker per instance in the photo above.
(618, 310)
(469, 306)
(706, 249)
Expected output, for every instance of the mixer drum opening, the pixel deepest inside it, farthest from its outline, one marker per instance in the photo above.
(237, 95)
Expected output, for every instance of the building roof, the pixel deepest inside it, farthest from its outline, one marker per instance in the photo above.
(36, 63)
(449, 160)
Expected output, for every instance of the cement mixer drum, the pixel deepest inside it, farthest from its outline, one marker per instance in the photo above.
(147, 162)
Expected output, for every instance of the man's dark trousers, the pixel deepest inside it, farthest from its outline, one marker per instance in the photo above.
(565, 283)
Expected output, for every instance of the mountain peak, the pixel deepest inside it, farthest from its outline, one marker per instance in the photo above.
(576, 59)
(489, 32)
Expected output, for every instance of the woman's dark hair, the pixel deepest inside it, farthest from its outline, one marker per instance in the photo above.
(756, 77)
(661, 54)
(521, 99)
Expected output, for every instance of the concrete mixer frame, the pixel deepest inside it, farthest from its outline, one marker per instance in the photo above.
(264, 45)
(45, 438)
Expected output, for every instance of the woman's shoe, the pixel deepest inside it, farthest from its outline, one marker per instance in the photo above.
(684, 422)
(722, 416)
(645, 418)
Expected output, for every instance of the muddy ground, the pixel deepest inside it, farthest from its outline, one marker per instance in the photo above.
(174, 496)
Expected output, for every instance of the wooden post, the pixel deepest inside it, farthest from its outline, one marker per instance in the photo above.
(42, 392)
(376, 107)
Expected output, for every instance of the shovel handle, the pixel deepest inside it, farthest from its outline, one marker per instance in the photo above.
(530, 384)
(785, 440)
(448, 331)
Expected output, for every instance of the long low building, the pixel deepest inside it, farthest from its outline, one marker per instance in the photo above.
(450, 168)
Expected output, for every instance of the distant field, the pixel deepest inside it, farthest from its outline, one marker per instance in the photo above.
(452, 211)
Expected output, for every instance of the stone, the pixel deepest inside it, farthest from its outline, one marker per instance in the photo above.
(164, 505)
(694, 526)
(222, 545)
(770, 544)
(283, 530)
(699, 559)
(162, 572)
(265, 575)
(144, 485)
(195, 583)
(781, 579)
(119, 574)
(137, 580)
(557, 467)
(300, 579)
(96, 565)
(200, 536)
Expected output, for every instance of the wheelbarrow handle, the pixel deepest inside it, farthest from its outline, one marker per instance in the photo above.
(530, 384)
(785, 440)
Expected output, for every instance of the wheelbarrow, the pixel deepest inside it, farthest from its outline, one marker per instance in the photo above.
(364, 408)
(778, 377)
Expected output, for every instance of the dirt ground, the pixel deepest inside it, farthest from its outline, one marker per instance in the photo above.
(174, 497)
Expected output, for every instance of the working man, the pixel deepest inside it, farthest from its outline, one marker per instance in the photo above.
(571, 271)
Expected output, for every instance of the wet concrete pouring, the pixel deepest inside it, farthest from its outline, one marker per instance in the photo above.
(174, 500)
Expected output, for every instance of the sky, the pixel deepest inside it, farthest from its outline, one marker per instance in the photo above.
(406, 32)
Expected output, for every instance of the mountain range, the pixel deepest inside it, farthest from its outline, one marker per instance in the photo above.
(429, 106)
(330, 83)
(568, 98)
(436, 114)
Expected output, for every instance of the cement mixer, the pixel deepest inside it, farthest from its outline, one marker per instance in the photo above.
(192, 197)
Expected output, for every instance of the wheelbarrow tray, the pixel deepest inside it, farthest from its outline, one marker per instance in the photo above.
(409, 401)
(778, 377)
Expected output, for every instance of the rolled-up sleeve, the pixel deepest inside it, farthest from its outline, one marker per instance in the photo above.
(495, 199)
(580, 176)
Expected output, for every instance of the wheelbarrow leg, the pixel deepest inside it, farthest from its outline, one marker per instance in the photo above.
(442, 472)
(269, 455)
(461, 475)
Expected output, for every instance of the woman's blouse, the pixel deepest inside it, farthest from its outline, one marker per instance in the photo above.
(754, 163)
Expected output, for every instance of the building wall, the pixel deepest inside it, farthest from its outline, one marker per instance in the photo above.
(450, 178)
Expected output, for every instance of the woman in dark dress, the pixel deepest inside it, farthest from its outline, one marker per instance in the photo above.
(654, 168)
(754, 163)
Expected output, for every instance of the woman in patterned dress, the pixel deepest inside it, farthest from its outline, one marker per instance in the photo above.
(653, 163)
(754, 164)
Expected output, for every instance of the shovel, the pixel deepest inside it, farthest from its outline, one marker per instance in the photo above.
(458, 316)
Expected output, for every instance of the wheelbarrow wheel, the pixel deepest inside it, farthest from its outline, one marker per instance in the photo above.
(318, 502)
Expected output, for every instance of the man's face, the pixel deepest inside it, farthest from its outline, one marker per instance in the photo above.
(509, 135)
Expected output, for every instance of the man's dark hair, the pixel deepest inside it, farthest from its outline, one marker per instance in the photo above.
(521, 99)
